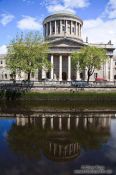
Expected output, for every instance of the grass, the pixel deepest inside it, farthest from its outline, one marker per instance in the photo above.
(70, 96)
(72, 100)
(62, 100)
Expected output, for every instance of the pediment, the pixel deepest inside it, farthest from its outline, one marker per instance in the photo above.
(65, 43)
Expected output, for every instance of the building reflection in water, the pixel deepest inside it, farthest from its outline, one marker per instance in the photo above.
(59, 136)
(65, 121)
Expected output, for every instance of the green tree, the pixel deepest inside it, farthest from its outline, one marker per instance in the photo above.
(27, 53)
(89, 58)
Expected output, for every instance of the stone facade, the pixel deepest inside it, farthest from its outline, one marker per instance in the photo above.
(63, 33)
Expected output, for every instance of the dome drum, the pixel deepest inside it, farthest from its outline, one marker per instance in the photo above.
(61, 25)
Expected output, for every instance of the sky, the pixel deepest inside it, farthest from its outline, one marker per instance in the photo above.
(16, 16)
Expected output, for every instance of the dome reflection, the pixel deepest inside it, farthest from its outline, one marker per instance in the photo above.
(59, 136)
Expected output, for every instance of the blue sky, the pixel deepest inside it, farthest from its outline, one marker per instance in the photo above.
(99, 17)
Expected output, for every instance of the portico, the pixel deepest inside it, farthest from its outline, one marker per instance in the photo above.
(61, 73)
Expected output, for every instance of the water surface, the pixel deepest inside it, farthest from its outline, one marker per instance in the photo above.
(57, 143)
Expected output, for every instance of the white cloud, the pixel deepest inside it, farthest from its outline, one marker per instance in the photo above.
(98, 30)
(57, 8)
(3, 49)
(110, 10)
(76, 3)
(29, 23)
(6, 18)
(68, 5)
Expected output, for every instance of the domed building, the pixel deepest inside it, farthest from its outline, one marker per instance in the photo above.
(62, 31)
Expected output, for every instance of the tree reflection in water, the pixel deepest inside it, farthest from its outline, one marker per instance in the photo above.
(59, 136)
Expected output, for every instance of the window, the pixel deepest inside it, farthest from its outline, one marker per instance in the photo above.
(63, 22)
(1, 62)
(32, 74)
(58, 29)
(48, 75)
(95, 75)
(63, 28)
(81, 75)
(5, 76)
(115, 63)
(53, 30)
(73, 30)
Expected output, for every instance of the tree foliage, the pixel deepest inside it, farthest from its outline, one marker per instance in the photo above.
(89, 58)
(27, 53)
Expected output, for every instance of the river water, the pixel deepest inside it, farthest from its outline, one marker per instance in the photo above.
(58, 143)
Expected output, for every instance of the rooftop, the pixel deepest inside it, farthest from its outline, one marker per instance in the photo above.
(63, 14)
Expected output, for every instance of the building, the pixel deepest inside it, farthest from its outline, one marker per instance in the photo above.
(62, 31)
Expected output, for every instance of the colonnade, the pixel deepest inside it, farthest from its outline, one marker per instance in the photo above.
(64, 151)
(68, 124)
(60, 78)
(107, 70)
(59, 27)
(60, 68)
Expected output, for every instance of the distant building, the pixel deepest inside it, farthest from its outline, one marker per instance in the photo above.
(63, 32)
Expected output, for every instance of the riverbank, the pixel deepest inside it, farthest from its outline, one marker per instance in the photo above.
(70, 99)
(71, 96)
(61, 100)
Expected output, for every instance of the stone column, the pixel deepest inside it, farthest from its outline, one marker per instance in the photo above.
(55, 27)
(90, 119)
(69, 68)
(70, 27)
(60, 68)
(68, 122)
(104, 122)
(50, 28)
(106, 71)
(52, 68)
(77, 73)
(43, 121)
(51, 122)
(18, 121)
(43, 73)
(76, 121)
(85, 122)
(111, 70)
(60, 27)
(75, 28)
(86, 74)
(78, 28)
(23, 121)
(66, 27)
(60, 123)
(46, 29)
